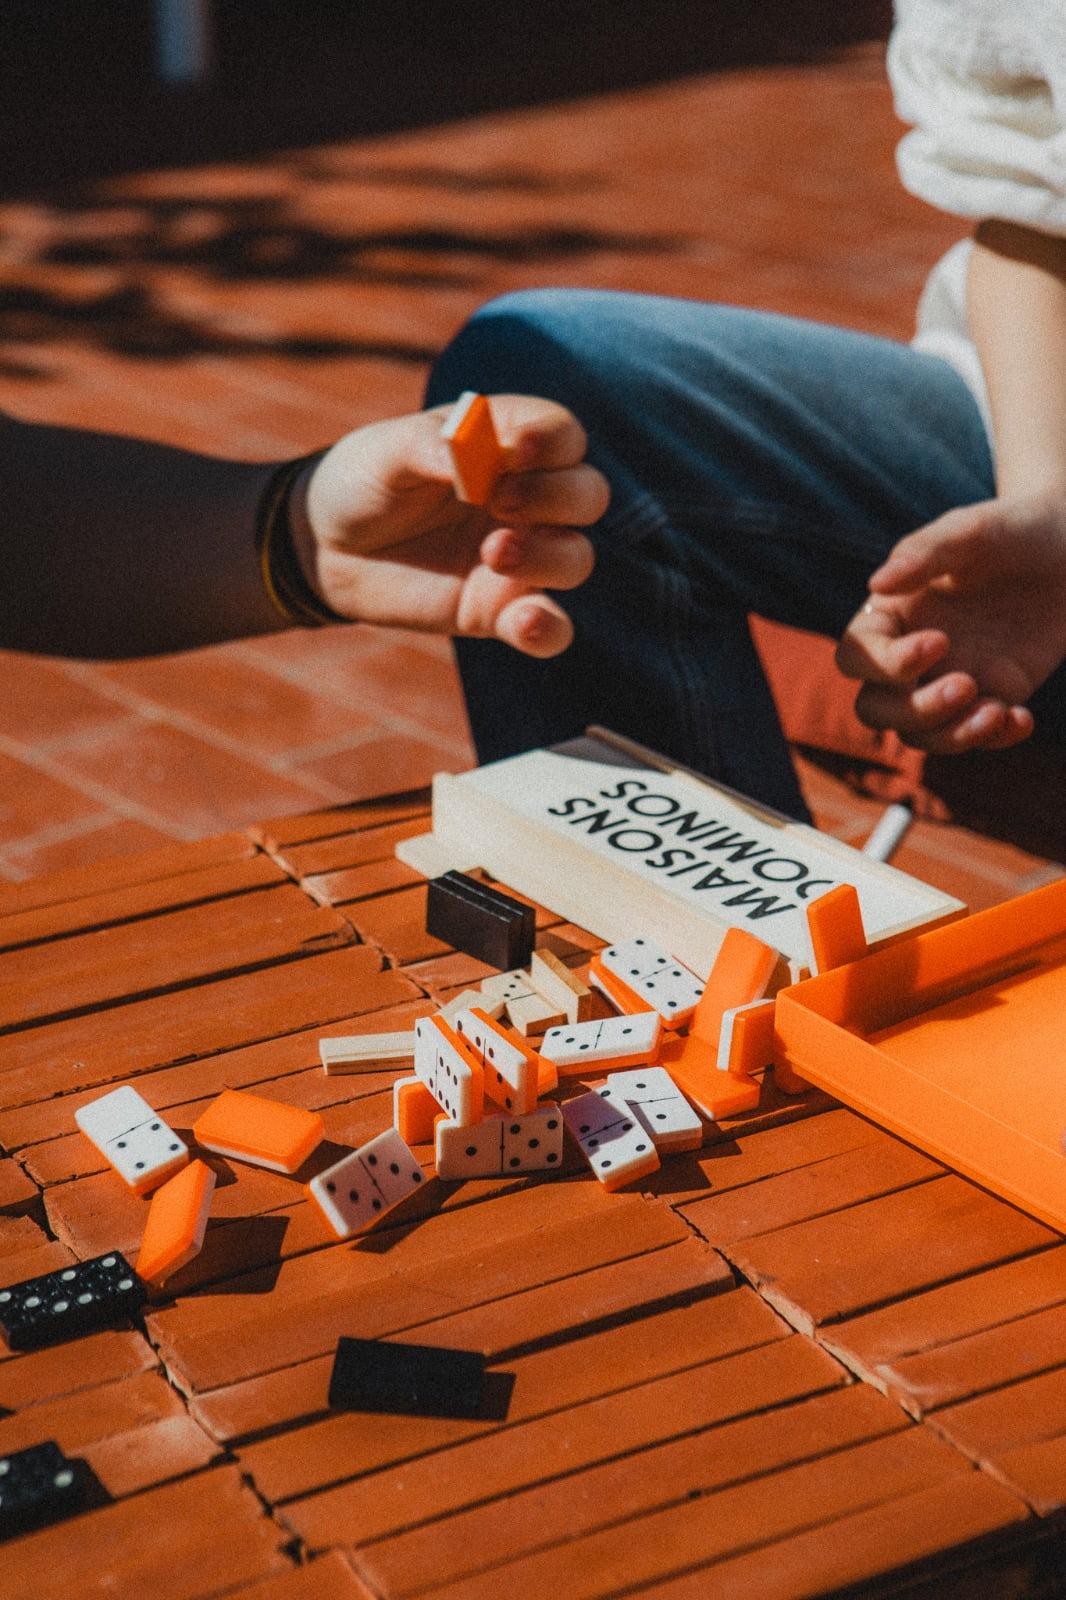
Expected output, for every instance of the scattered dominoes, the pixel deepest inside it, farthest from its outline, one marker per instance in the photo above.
(477, 456)
(176, 1223)
(76, 1299)
(616, 1146)
(510, 1067)
(364, 1052)
(406, 1379)
(486, 923)
(129, 1135)
(559, 986)
(527, 1009)
(499, 1145)
(639, 972)
(450, 1069)
(658, 1104)
(40, 1485)
(627, 1041)
(265, 1133)
(360, 1188)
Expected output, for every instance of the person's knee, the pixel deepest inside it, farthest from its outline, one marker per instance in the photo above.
(524, 342)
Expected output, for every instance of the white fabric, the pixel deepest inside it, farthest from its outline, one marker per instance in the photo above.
(984, 84)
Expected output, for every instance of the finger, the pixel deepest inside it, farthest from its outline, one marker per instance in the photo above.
(556, 558)
(535, 625)
(572, 496)
(874, 650)
(955, 544)
(538, 435)
(916, 713)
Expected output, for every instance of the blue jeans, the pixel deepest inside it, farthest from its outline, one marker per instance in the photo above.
(757, 464)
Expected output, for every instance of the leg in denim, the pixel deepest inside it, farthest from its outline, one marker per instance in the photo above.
(757, 464)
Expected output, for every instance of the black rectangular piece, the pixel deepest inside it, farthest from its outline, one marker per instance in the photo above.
(482, 921)
(41, 1485)
(76, 1299)
(414, 1380)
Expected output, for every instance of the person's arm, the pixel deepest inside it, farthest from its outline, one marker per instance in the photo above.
(115, 547)
(967, 617)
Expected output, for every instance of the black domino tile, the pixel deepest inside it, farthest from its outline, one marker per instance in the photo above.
(482, 921)
(407, 1379)
(76, 1299)
(42, 1485)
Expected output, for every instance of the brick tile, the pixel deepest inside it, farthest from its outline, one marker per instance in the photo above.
(385, 764)
(87, 878)
(109, 836)
(258, 710)
(31, 799)
(405, 682)
(189, 783)
(43, 703)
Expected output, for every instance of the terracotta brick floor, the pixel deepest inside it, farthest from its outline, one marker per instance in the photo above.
(261, 309)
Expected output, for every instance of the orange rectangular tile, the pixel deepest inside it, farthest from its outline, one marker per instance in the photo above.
(852, 1260)
(330, 1576)
(873, 1344)
(185, 780)
(912, 1532)
(1018, 1414)
(280, 834)
(208, 1533)
(169, 951)
(360, 883)
(219, 689)
(252, 1127)
(149, 1454)
(654, 1547)
(549, 1380)
(473, 1541)
(175, 1225)
(99, 877)
(82, 1416)
(346, 850)
(289, 1060)
(64, 1369)
(880, 1167)
(108, 1046)
(528, 1453)
(17, 1191)
(118, 905)
(305, 1327)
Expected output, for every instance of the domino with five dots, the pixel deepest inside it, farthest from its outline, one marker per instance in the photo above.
(364, 1186)
(75, 1299)
(510, 1067)
(614, 1143)
(450, 1070)
(129, 1135)
(500, 1145)
(649, 974)
(627, 1041)
(659, 1105)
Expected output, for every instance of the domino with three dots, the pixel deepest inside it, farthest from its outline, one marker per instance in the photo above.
(129, 1135)
(627, 1041)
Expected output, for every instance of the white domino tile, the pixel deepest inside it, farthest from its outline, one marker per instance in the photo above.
(452, 1081)
(630, 1039)
(533, 1143)
(143, 1149)
(614, 1143)
(655, 977)
(658, 1103)
(511, 1075)
(471, 1152)
(361, 1188)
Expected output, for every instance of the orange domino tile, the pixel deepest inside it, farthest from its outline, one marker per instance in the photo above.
(477, 455)
(692, 1065)
(267, 1133)
(415, 1111)
(743, 971)
(835, 930)
(177, 1220)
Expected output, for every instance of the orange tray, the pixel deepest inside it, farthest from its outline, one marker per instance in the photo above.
(954, 1039)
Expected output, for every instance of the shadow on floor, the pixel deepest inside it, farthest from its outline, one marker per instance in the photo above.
(79, 97)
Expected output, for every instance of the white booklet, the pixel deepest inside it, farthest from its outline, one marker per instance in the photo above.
(623, 842)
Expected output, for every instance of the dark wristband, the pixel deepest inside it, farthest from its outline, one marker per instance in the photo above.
(290, 593)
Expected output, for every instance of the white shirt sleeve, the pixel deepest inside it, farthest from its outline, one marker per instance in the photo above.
(984, 84)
